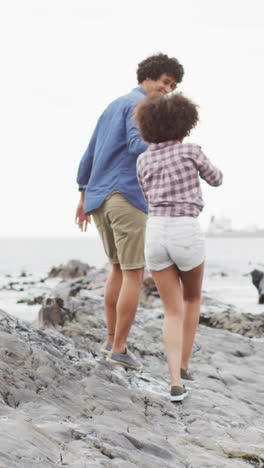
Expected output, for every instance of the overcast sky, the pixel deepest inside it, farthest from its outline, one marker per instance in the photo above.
(63, 61)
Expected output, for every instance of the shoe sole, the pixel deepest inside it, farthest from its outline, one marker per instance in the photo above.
(104, 351)
(123, 364)
(189, 384)
(179, 397)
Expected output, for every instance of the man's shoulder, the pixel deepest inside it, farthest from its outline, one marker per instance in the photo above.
(124, 103)
(131, 98)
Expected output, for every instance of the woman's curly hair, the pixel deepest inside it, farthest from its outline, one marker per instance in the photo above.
(163, 118)
(153, 67)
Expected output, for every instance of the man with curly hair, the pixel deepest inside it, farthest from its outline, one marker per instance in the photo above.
(110, 193)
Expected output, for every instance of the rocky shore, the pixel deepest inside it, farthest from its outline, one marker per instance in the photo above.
(62, 404)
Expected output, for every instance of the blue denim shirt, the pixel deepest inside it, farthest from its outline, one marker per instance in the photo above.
(109, 163)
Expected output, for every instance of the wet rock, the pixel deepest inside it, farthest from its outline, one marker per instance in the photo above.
(12, 286)
(53, 312)
(149, 287)
(246, 324)
(94, 280)
(214, 313)
(31, 301)
(220, 315)
(258, 281)
(223, 274)
(73, 269)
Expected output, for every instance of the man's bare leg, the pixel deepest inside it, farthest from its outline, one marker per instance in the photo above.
(192, 286)
(127, 306)
(170, 290)
(112, 291)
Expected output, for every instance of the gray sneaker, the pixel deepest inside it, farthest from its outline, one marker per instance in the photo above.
(186, 375)
(178, 393)
(124, 359)
(106, 347)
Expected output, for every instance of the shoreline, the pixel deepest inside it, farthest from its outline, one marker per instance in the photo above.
(26, 293)
(226, 285)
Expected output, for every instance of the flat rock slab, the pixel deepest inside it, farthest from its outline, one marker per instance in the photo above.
(62, 404)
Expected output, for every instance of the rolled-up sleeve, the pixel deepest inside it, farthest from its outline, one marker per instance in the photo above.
(86, 163)
(207, 171)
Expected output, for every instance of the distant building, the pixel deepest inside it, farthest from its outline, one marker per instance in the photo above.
(222, 227)
(218, 226)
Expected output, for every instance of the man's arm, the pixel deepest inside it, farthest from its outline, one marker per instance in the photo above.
(81, 219)
(135, 143)
(86, 163)
(85, 167)
(84, 171)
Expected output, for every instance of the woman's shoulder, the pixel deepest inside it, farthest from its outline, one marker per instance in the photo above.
(143, 156)
(190, 148)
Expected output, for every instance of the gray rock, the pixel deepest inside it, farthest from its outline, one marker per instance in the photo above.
(245, 324)
(62, 404)
(73, 269)
(31, 301)
(258, 281)
(214, 313)
(53, 312)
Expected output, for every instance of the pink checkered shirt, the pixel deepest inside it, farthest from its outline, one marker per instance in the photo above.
(168, 174)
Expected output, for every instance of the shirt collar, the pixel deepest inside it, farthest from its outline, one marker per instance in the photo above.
(141, 90)
(163, 144)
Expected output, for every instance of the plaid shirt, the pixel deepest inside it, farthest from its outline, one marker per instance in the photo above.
(168, 174)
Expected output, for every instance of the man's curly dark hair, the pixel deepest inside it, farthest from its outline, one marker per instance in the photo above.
(153, 67)
(163, 118)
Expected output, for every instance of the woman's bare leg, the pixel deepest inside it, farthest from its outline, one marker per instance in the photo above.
(192, 286)
(170, 290)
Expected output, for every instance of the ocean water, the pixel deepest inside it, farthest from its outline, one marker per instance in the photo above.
(39, 255)
(227, 274)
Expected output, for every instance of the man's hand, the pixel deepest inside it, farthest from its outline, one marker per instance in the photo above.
(81, 218)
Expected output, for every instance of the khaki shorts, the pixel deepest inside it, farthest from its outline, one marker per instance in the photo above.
(122, 229)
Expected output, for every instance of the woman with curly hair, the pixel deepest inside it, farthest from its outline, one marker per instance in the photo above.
(168, 173)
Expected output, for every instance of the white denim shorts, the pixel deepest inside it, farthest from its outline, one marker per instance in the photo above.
(174, 240)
